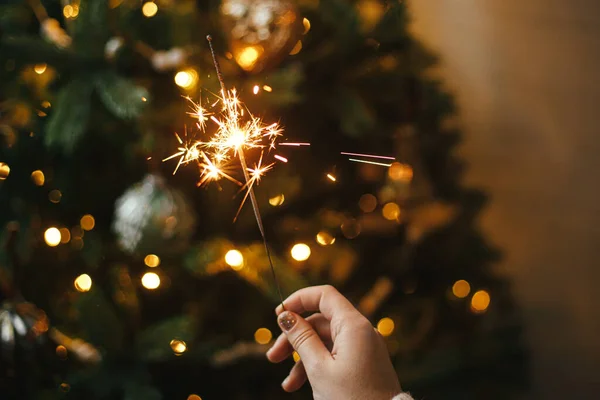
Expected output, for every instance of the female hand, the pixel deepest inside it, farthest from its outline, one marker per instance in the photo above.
(342, 355)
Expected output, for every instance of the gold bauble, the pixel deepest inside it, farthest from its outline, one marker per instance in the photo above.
(260, 32)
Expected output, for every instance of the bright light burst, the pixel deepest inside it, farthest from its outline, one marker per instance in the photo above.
(225, 130)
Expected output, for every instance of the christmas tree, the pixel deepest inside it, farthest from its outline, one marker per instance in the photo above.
(122, 280)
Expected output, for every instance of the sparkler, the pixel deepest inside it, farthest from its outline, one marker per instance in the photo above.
(236, 130)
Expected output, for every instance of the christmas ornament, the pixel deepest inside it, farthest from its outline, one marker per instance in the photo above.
(260, 32)
(53, 32)
(152, 216)
(20, 323)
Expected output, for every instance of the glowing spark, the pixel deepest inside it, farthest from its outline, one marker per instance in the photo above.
(367, 155)
(331, 177)
(267, 88)
(370, 162)
(255, 89)
(294, 144)
(280, 158)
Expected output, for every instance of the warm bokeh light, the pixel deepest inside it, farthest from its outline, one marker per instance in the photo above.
(83, 283)
(65, 387)
(61, 352)
(152, 260)
(87, 222)
(331, 178)
(248, 57)
(149, 9)
(65, 235)
(461, 289)
(267, 88)
(234, 259)
(187, 78)
(255, 89)
(297, 48)
(178, 346)
(38, 178)
(391, 211)
(194, 397)
(367, 203)
(150, 280)
(306, 24)
(54, 196)
(400, 172)
(263, 336)
(480, 301)
(300, 252)
(296, 356)
(4, 171)
(71, 11)
(325, 238)
(40, 68)
(386, 326)
(351, 228)
(52, 236)
(278, 200)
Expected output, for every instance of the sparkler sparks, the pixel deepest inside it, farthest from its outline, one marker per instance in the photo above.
(234, 131)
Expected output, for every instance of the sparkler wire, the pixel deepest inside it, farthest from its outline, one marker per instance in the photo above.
(249, 182)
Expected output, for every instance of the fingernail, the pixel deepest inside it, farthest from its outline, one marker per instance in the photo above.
(278, 309)
(286, 320)
(285, 381)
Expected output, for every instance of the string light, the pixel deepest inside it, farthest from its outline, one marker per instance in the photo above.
(38, 178)
(331, 177)
(149, 9)
(480, 301)
(306, 24)
(40, 68)
(324, 238)
(263, 336)
(87, 222)
(178, 346)
(367, 203)
(267, 88)
(187, 78)
(300, 252)
(52, 237)
(255, 89)
(152, 260)
(400, 172)
(65, 235)
(248, 57)
(278, 200)
(461, 289)
(234, 259)
(4, 171)
(297, 48)
(83, 283)
(391, 211)
(150, 280)
(386, 326)
(61, 352)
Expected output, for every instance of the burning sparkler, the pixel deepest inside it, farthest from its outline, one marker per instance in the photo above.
(236, 130)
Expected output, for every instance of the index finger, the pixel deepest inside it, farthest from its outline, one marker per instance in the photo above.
(325, 299)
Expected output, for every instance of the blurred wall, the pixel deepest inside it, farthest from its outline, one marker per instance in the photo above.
(527, 79)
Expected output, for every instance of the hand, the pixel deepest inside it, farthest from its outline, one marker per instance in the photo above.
(342, 355)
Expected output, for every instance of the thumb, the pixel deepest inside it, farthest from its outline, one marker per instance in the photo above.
(303, 338)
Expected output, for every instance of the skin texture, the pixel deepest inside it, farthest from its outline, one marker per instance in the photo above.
(342, 355)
